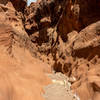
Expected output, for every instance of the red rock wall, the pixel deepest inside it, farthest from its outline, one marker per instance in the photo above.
(64, 34)
(69, 31)
(21, 75)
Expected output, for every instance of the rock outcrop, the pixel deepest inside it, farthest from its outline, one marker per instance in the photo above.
(68, 31)
(21, 75)
(65, 34)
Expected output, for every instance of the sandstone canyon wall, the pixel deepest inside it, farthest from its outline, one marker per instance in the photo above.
(62, 33)
(21, 75)
(67, 32)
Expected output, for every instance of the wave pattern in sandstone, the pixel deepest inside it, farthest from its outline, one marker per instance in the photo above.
(65, 34)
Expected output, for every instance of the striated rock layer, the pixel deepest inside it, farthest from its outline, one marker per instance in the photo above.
(21, 75)
(64, 34)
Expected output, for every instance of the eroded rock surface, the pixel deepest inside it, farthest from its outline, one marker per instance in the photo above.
(64, 34)
(68, 31)
(21, 75)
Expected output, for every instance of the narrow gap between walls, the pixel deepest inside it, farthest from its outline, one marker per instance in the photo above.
(30, 1)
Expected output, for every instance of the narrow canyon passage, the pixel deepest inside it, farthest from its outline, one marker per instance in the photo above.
(62, 36)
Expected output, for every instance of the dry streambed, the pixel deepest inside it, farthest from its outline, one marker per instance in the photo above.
(59, 89)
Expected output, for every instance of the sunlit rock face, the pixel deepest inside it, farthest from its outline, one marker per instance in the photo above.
(64, 34)
(21, 75)
(10, 22)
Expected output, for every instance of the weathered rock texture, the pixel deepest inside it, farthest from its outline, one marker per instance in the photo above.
(63, 33)
(21, 75)
(68, 31)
